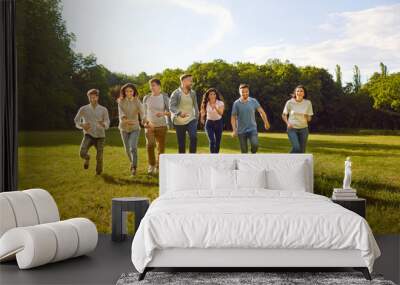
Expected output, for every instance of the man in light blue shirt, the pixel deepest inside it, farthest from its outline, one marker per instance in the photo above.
(243, 119)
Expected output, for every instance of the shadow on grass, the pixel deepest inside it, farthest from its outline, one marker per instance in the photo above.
(351, 152)
(267, 144)
(109, 179)
(315, 143)
(323, 184)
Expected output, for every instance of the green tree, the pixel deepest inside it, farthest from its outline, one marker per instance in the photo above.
(89, 74)
(384, 70)
(322, 90)
(220, 75)
(53, 80)
(338, 74)
(45, 65)
(385, 91)
(356, 78)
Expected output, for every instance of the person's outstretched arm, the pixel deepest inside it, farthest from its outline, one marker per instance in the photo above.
(106, 119)
(78, 119)
(196, 107)
(309, 112)
(234, 119)
(173, 104)
(141, 110)
(202, 114)
(166, 100)
(264, 117)
(234, 125)
(220, 110)
(285, 119)
(144, 103)
(285, 115)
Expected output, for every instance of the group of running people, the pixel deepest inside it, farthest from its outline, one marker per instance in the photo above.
(158, 112)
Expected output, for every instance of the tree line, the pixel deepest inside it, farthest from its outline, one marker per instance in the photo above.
(53, 80)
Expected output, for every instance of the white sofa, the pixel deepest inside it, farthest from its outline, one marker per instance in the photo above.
(31, 231)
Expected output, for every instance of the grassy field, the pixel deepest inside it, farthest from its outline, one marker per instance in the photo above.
(50, 160)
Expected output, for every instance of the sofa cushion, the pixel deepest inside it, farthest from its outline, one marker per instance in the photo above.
(46, 207)
(23, 208)
(31, 232)
(7, 220)
(32, 246)
(41, 244)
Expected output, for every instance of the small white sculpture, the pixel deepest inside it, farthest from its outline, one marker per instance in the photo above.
(347, 174)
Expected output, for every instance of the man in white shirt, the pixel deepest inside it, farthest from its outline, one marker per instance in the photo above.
(93, 119)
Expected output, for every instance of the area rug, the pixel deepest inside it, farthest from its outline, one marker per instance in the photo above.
(243, 278)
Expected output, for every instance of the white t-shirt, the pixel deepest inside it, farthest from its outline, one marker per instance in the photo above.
(155, 104)
(296, 111)
(212, 114)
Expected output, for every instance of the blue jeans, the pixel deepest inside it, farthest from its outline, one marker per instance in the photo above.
(252, 136)
(298, 139)
(130, 141)
(214, 134)
(181, 130)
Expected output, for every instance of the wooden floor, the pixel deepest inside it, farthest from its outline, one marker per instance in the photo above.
(111, 259)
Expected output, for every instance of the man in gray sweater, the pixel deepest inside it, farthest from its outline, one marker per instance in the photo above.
(93, 120)
(156, 123)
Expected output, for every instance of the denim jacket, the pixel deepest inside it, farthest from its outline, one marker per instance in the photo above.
(175, 99)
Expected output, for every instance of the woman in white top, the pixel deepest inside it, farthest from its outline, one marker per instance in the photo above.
(297, 114)
(211, 111)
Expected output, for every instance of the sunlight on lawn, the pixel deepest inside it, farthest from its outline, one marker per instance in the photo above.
(50, 160)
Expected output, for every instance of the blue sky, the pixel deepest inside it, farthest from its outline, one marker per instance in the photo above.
(131, 36)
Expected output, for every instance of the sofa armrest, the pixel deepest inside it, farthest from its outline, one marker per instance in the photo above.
(41, 244)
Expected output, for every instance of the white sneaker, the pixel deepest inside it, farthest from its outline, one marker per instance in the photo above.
(155, 170)
(150, 169)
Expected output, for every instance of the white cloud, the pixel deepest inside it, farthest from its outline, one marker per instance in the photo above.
(364, 37)
(223, 19)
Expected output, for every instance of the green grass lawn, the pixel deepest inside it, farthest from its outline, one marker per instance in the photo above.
(50, 160)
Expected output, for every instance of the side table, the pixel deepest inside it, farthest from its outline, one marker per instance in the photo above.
(120, 207)
(357, 205)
